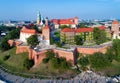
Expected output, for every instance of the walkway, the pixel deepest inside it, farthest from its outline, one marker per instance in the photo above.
(84, 77)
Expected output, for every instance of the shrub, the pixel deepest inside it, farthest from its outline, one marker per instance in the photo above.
(99, 60)
(28, 63)
(83, 61)
(45, 60)
(6, 57)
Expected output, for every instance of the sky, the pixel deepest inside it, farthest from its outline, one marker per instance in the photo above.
(84, 9)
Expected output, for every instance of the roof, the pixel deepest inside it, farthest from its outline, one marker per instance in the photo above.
(78, 30)
(84, 30)
(102, 27)
(63, 21)
(115, 22)
(26, 30)
(67, 30)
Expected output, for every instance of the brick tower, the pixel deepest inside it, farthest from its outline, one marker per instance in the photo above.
(46, 35)
(115, 29)
(76, 20)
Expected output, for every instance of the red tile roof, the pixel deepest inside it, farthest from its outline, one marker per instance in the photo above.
(63, 21)
(84, 30)
(102, 27)
(67, 30)
(115, 22)
(30, 31)
(79, 30)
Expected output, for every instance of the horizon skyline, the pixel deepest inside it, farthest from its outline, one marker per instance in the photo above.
(27, 9)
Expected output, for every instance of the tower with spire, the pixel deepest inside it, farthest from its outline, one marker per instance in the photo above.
(38, 18)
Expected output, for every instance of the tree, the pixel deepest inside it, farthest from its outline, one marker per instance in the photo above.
(60, 63)
(116, 48)
(99, 36)
(11, 35)
(33, 40)
(50, 54)
(110, 54)
(83, 61)
(78, 40)
(64, 26)
(4, 44)
(45, 60)
(28, 63)
(82, 25)
(14, 34)
(99, 60)
(55, 63)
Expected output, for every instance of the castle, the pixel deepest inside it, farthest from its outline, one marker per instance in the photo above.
(38, 53)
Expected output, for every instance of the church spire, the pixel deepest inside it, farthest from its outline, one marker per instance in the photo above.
(38, 18)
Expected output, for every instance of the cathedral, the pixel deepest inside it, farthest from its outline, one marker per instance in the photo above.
(41, 24)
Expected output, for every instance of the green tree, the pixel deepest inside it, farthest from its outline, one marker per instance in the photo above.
(64, 26)
(45, 60)
(28, 63)
(116, 48)
(52, 41)
(14, 34)
(50, 54)
(11, 35)
(110, 54)
(83, 61)
(4, 44)
(33, 40)
(78, 40)
(55, 63)
(60, 63)
(99, 36)
(99, 60)
(82, 25)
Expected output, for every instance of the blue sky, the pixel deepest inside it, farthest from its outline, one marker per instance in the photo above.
(84, 9)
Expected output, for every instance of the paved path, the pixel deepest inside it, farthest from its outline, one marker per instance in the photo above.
(84, 77)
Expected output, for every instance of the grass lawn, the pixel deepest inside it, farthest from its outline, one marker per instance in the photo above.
(47, 69)
(15, 64)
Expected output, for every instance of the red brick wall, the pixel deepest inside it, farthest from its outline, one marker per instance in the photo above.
(21, 49)
(91, 50)
(68, 55)
(14, 43)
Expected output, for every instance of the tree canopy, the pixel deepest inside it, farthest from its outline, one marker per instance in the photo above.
(33, 40)
(14, 34)
(64, 26)
(116, 48)
(99, 36)
(78, 40)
